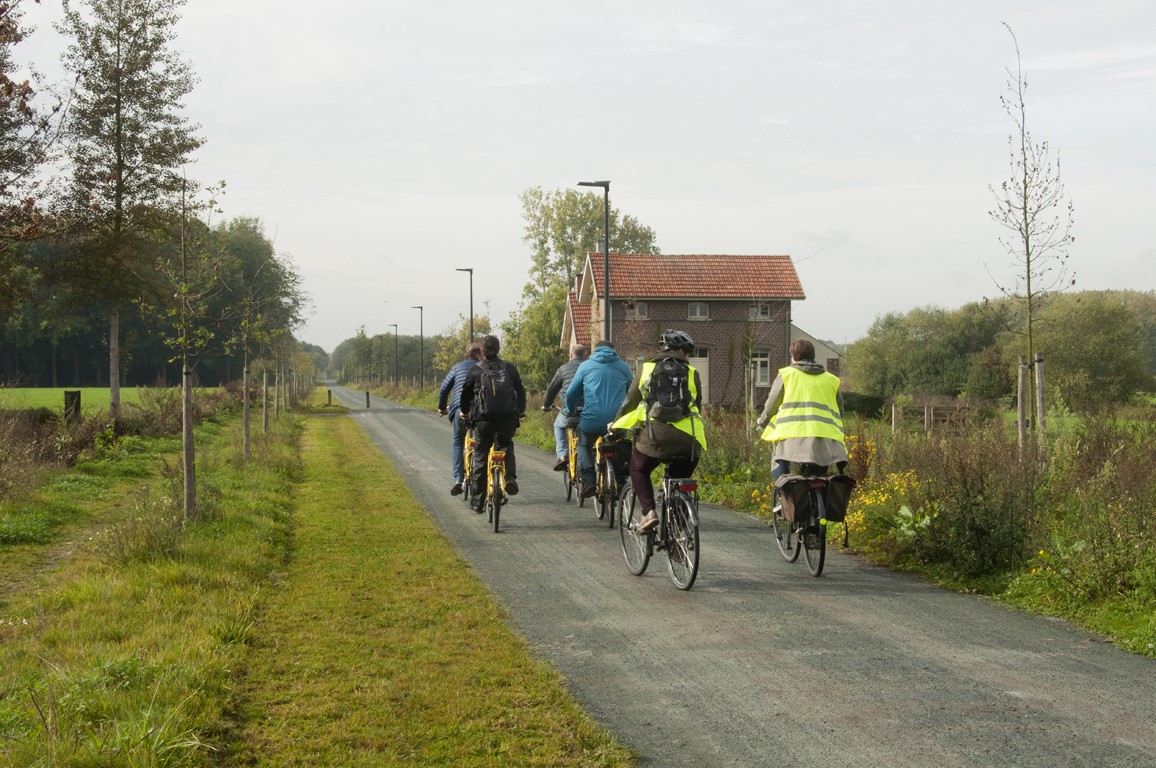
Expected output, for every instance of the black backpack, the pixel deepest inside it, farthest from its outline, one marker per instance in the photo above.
(494, 395)
(668, 393)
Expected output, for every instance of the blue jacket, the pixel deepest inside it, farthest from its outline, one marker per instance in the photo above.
(452, 386)
(599, 387)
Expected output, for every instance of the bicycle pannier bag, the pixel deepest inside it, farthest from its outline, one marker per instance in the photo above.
(668, 393)
(795, 496)
(839, 489)
(494, 395)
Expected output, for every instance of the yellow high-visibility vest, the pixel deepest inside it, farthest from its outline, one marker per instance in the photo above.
(812, 409)
(691, 425)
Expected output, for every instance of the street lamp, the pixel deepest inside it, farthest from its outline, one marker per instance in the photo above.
(421, 344)
(395, 379)
(471, 271)
(605, 253)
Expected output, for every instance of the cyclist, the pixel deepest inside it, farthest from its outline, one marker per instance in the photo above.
(804, 414)
(557, 385)
(494, 401)
(599, 387)
(660, 438)
(449, 402)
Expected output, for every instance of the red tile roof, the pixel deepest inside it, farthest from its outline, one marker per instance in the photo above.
(581, 314)
(700, 276)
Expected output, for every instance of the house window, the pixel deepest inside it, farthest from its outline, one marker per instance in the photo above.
(761, 365)
(698, 310)
(636, 311)
(761, 311)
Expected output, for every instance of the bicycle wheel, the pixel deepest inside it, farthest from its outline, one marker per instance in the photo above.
(568, 481)
(494, 498)
(635, 546)
(682, 543)
(814, 537)
(469, 461)
(608, 491)
(784, 530)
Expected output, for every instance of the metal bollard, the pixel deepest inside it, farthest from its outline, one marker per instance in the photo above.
(329, 401)
(366, 399)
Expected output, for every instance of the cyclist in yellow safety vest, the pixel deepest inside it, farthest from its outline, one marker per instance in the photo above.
(678, 443)
(805, 413)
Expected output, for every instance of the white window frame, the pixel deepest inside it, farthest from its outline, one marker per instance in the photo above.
(697, 310)
(638, 311)
(759, 312)
(761, 363)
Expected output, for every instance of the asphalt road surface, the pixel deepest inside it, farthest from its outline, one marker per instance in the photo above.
(761, 664)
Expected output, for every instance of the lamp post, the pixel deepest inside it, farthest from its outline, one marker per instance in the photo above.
(420, 344)
(471, 271)
(605, 253)
(395, 379)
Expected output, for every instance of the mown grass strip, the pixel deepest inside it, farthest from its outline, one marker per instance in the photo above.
(382, 648)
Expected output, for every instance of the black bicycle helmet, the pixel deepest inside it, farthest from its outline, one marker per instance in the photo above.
(672, 339)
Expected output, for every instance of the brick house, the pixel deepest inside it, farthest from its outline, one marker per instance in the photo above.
(736, 308)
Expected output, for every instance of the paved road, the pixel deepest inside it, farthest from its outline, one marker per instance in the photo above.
(761, 664)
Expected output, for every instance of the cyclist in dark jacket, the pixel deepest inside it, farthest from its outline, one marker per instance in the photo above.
(488, 430)
(449, 402)
(557, 385)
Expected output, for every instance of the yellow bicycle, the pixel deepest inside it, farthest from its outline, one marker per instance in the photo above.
(468, 446)
(495, 482)
(571, 476)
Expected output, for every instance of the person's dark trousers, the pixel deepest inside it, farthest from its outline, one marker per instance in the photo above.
(457, 449)
(485, 432)
(586, 457)
(642, 465)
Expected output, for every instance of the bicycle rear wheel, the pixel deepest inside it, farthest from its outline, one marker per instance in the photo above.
(609, 490)
(784, 530)
(494, 497)
(682, 543)
(814, 537)
(605, 496)
(568, 481)
(635, 545)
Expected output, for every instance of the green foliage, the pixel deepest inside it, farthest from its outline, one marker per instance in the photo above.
(532, 338)
(564, 226)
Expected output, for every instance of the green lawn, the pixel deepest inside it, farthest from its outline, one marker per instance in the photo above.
(92, 399)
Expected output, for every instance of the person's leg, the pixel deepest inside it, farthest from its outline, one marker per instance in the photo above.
(641, 466)
(457, 450)
(560, 435)
(781, 468)
(484, 438)
(507, 431)
(586, 457)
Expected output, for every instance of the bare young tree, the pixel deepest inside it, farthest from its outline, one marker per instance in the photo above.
(1034, 209)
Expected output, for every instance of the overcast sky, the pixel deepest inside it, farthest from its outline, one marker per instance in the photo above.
(384, 144)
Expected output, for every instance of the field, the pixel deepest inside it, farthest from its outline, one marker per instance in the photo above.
(92, 399)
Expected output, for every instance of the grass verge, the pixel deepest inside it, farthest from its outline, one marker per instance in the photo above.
(383, 649)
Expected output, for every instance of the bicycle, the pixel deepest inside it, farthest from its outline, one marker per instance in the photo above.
(606, 449)
(676, 532)
(571, 476)
(468, 447)
(496, 496)
(798, 527)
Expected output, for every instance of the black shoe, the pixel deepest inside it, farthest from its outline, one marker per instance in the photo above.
(561, 463)
(456, 490)
(511, 487)
(589, 490)
(479, 508)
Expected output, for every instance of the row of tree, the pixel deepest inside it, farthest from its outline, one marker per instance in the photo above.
(111, 268)
(1099, 347)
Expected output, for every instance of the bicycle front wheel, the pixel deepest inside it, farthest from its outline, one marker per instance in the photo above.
(635, 545)
(784, 530)
(814, 537)
(682, 543)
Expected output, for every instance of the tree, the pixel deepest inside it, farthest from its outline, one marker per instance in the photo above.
(451, 348)
(531, 336)
(1032, 205)
(563, 226)
(127, 144)
(26, 134)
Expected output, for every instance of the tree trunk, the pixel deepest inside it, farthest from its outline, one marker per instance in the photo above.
(265, 399)
(245, 406)
(114, 365)
(190, 460)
